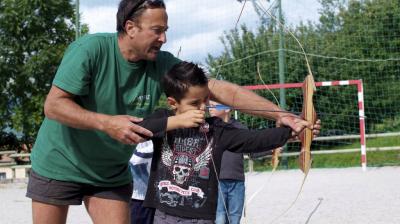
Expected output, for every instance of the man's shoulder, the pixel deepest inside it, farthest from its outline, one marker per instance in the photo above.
(164, 62)
(91, 40)
(165, 57)
(97, 37)
(164, 54)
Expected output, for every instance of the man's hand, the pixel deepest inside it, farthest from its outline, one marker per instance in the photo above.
(188, 119)
(297, 124)
(124, 129)
(316, 128)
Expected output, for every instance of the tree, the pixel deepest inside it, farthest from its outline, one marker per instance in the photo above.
(365, 30)
(33, 37)
(353, 40)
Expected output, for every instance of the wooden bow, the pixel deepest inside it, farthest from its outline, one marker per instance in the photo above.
(306, 136)
(308, 114)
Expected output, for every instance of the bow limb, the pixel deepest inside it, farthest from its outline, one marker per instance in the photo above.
(308, 114)
(275, 158)
(308, 107)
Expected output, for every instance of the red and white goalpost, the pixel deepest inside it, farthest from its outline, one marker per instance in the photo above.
(360, 96)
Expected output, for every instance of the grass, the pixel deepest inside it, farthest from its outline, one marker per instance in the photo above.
(375, 142)
(341, 160)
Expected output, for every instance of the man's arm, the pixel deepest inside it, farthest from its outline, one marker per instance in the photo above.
(61, 106)
(238, 97)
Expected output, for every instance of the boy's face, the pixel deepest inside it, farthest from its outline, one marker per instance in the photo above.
(196, 98)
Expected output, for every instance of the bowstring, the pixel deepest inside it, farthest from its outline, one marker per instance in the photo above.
(205, 134)
(310, 72)
(259, 75)
(233, 103)
(218, 181)
(276, 154)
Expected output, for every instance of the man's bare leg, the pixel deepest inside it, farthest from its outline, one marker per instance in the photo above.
(43, 213)
(107, 211)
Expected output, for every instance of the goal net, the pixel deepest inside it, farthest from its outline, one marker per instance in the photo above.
(343, 118)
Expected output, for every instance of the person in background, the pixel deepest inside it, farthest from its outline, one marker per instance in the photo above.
(231, 187)
(140, 163)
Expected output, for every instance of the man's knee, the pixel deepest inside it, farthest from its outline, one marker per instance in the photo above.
(103, 210)
(43, 213)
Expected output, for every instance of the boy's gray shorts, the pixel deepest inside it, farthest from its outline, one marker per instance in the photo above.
(163, 218)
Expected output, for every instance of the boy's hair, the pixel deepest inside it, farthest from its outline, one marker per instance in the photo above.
(133, 9)
(182, 76)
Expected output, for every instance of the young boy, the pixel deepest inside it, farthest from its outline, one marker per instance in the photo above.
(183, 184)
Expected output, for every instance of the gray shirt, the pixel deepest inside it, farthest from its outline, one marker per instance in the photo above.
(232, 163)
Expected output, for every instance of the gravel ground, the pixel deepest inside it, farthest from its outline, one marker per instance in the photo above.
(329, 196)
(336, 196)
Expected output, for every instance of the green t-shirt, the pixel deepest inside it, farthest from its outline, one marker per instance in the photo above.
(94, 70)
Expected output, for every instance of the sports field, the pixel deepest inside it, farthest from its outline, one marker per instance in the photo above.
(329, 196)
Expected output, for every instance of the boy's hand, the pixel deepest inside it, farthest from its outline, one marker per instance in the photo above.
(191, 118)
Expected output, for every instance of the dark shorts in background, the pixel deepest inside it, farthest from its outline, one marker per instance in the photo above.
(163, 218)
(57, 192)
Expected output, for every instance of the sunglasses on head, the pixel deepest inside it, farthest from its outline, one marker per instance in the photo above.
(140, 4)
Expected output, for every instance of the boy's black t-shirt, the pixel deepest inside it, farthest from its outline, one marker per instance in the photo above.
(186, 162)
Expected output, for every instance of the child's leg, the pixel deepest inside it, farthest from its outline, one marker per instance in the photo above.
(236, 201)
(223, 203)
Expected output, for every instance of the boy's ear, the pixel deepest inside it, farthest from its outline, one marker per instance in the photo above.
(172, 103)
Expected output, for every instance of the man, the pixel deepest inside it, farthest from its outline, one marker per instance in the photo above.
(104, 83)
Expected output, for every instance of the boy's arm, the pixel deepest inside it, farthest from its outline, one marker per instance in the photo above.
(255, 155)
(189, 119)
(247, 141)
(160, 122)
(156, 123)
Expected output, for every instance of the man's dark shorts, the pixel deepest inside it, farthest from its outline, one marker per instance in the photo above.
(57, 192)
